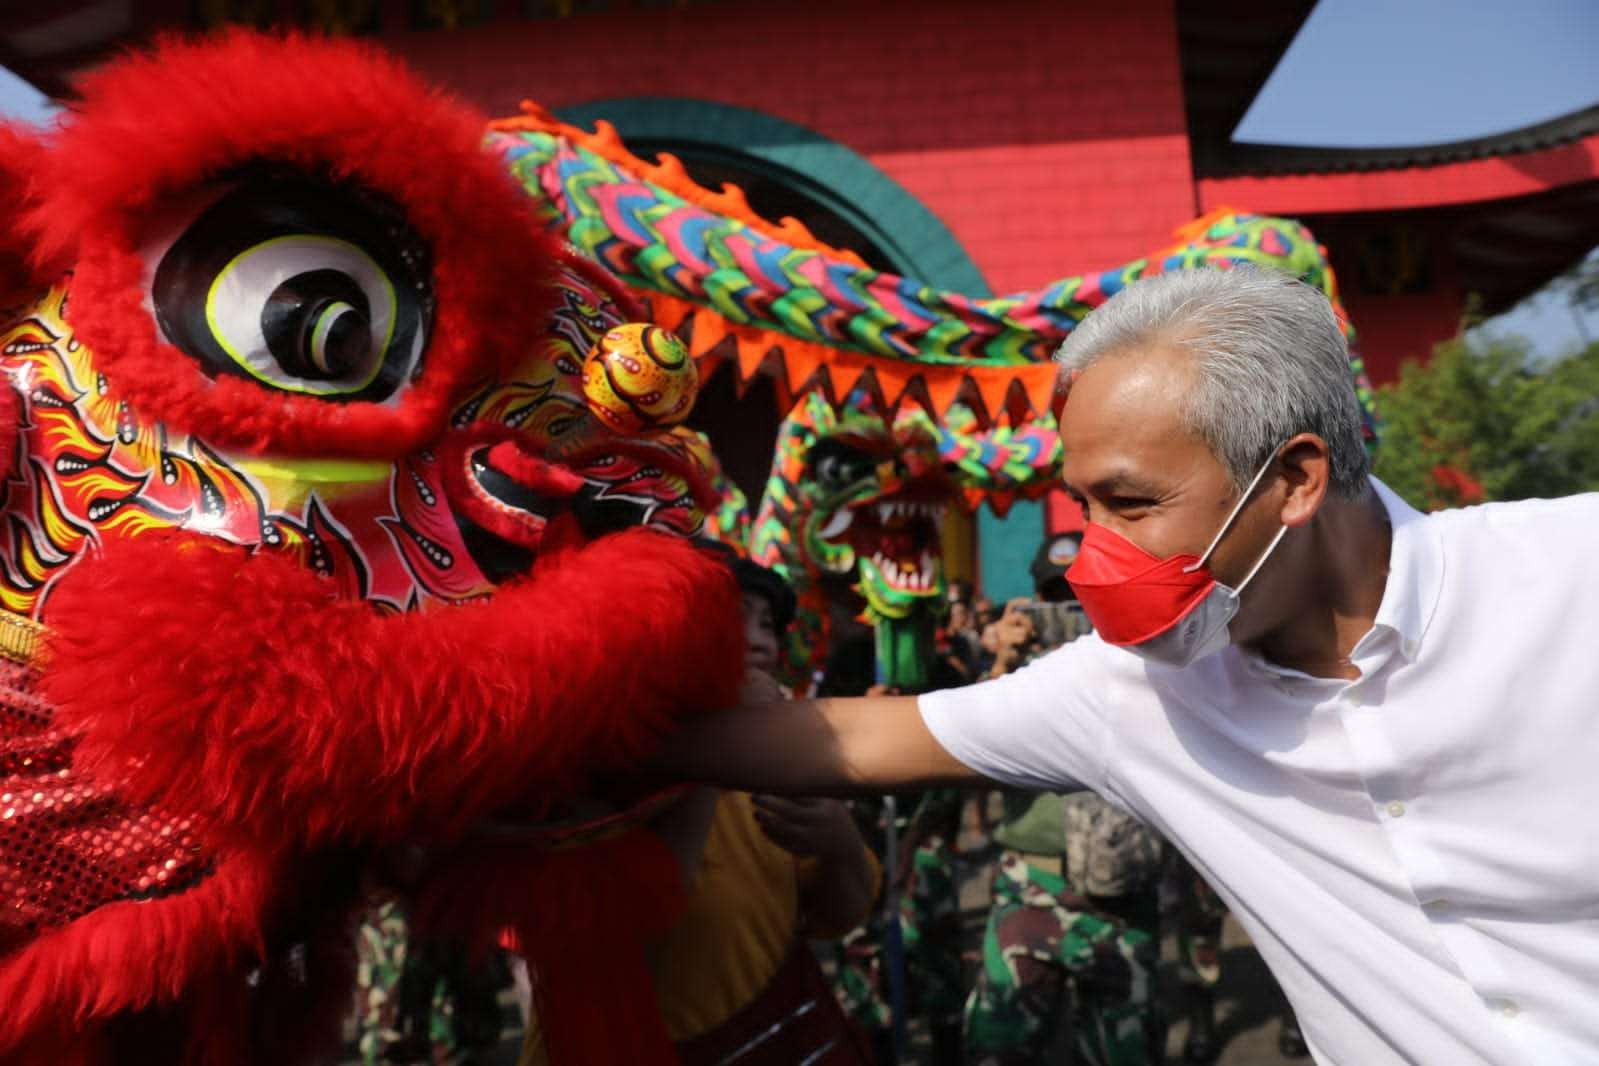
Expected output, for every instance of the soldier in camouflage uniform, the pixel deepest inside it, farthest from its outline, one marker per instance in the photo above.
(1200, 914)
(1199, 919)
(1043, 939)
(1075, 913)
(1054, 950)
(416, 1006)
(929, 920)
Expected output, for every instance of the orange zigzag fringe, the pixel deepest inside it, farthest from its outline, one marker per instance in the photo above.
(712, 338)
(1016, 391)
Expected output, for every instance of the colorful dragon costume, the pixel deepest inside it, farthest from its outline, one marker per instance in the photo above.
(316, 550)
(854, 491)
(858, 489)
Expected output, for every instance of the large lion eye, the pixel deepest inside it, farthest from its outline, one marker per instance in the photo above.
(303, 284)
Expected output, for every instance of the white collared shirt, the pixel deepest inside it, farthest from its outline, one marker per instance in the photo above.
(1416, 852)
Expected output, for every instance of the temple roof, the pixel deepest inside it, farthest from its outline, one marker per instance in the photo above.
(1266, 159)
(1229, 49)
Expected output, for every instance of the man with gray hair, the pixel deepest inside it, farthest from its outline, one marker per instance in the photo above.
(1374, 731)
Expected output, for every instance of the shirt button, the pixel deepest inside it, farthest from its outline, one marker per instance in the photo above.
(1396, 809)
(1510, 1010)
(1352, 699)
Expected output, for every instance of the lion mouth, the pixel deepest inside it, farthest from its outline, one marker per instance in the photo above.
(505, 499)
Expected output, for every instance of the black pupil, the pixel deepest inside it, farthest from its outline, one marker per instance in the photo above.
(318, 326)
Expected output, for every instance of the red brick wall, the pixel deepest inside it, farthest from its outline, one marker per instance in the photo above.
(1048, 136)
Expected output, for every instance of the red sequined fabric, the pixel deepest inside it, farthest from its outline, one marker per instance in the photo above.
(67, 845)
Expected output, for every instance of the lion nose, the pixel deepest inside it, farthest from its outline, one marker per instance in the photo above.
(639, 379)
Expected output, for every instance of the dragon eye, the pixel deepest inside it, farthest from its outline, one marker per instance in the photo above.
(837, 465)
(303, 284)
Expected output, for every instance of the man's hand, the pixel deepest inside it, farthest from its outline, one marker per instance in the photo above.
(809, 827)
(838, 892)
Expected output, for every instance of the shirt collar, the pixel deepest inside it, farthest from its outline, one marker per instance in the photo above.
(1415, 573)
(1410, 595)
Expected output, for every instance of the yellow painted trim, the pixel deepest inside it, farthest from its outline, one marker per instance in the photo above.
(315, 471)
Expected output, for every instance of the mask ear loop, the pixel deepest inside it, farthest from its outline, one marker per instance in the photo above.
(1238, 507)
(1262, 560)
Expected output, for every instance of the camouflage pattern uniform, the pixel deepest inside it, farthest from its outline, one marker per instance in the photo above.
(929, 918)
(1041, 938)
(416, 1006)
(1074, 922)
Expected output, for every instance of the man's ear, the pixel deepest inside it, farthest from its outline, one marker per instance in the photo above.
(1307, 472)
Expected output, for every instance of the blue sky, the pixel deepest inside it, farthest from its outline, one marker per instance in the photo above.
(1392, 73)
(1372, 73)
(18, 99)
(1387, 73)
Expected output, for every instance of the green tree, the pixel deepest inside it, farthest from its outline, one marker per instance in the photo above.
(1488, 421)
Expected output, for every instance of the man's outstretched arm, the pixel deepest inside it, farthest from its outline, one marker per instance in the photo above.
(815, 747)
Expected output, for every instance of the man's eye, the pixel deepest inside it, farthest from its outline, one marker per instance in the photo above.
(1130, 503)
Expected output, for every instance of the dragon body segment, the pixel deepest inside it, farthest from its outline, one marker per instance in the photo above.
(708, 265)
(855, 342)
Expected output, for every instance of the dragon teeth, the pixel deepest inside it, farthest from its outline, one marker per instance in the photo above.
(842, 519)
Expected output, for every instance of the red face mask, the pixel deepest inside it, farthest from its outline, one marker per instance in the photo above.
(1170, 610)
(1129, 594)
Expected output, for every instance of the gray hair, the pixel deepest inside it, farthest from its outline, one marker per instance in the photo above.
(1272, 362)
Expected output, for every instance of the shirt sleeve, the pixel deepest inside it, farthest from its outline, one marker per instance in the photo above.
(1042, 728)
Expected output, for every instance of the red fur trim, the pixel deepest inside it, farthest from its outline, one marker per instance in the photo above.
(134, 954)
(154, 124)
(241, 688)
(170, 975)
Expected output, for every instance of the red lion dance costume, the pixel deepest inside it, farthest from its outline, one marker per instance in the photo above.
(312, 551)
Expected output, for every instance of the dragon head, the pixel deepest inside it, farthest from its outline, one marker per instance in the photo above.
(877, 492)
(855, 491)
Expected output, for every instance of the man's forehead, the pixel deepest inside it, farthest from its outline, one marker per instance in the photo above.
(1123, 420)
